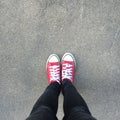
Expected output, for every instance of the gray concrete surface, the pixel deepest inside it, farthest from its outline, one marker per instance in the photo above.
(30, 30)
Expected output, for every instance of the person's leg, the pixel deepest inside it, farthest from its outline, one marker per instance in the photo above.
(72, 99)
(75, 108)
(46, 106)
(49, 98)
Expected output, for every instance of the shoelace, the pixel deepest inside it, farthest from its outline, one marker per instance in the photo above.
(67, 71)
(54, 72)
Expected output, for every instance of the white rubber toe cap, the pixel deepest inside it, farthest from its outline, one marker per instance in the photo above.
(68, 58)
(53, 58)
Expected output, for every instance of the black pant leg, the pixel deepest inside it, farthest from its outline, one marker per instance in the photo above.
(74, 104)
(47, 104)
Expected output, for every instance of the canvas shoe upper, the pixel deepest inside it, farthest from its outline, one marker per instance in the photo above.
(68, 67)
(53, 68)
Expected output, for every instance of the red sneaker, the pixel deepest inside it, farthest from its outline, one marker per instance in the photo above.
(53, 68)
(68, 67)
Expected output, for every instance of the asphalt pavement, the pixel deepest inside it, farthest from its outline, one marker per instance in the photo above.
(31, 30)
